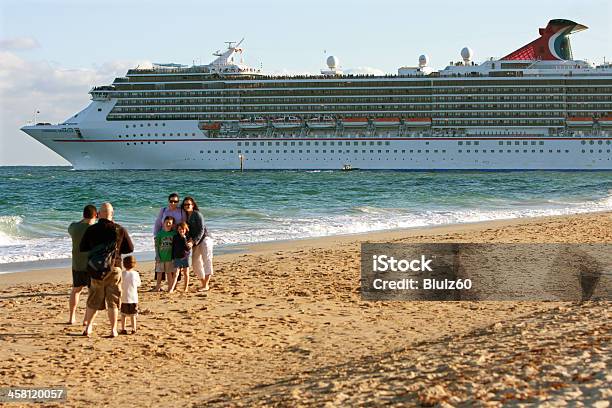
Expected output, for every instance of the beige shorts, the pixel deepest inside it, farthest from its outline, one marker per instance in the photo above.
(106, 292)
(165, 267)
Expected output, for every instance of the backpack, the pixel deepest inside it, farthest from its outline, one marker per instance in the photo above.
(101, 257)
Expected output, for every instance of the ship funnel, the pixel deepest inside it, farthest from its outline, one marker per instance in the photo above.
(553, 44)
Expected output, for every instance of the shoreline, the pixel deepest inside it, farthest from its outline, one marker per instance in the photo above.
(38, 274)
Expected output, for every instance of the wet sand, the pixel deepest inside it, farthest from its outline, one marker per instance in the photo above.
(284, 325)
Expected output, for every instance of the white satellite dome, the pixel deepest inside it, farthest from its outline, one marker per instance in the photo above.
(423, 60)
(333, 62)
(467, 54)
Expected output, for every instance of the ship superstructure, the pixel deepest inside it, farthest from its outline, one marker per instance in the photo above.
(536, 108)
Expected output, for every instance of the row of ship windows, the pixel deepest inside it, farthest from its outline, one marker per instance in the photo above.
(439, 115)
(484, 107)
(279, 81)
(340, 151)
(445, 101)
(155, 134)
(375, 91)
(439, 86)
(443, 121)
(331, 143)
(442, 101)
(239, 151)
(520, 109)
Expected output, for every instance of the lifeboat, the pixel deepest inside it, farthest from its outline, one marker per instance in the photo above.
(256, 122)
(210, 126)
(576, 121)
(326, 122)
(417, 122)
(605, 121)
(386, 122)
(354, 122)
(287, 122)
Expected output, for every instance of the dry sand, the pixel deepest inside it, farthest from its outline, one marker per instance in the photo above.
(284, 325)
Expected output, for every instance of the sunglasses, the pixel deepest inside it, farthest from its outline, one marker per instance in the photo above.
(173, 201)
(188, 205)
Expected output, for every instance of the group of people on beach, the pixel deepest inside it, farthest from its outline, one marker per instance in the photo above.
(179, 232)
(98, 243)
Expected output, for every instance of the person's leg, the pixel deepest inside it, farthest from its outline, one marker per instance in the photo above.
(171, 281)
(207, 257)
(90, 315)
(112, 297)
(158, 287)
(95, 302)
(123, 320)
(174, 276)
(186, 275)
(198, 265)
(73, 302)
(112, 318)
(133, 317)
(206, 282)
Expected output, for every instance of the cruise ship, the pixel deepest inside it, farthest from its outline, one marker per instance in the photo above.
(535, 108)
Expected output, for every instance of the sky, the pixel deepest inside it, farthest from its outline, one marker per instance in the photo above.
(53, 52)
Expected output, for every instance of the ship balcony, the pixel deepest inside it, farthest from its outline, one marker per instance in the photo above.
(101, 93)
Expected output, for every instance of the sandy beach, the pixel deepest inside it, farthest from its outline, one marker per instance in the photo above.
(284, 325)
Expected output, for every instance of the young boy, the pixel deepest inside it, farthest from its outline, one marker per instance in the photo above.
(163, 246)
(130, 281)
(181, 254)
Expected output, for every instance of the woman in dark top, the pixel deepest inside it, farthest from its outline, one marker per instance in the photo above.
(202, 244)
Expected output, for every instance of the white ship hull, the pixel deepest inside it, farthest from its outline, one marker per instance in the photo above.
(100, 147)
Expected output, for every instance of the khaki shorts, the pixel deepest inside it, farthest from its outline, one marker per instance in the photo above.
(165, 267)
(106, 292)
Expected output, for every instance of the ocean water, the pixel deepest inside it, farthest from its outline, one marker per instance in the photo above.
(38, 203)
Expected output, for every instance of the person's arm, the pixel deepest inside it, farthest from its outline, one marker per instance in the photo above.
(158, 222)
(71, 229)
(156, 239)
(198, 228)
(127, 247)
(85, 245)
(137, 281)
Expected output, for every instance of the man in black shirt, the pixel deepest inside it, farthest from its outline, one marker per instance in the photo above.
(106, 292)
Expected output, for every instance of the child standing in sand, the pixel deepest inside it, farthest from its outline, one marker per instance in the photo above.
(163, 247)
(181, 254)
(130, 281)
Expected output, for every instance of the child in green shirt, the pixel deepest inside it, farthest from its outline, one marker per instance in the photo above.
(163, 246)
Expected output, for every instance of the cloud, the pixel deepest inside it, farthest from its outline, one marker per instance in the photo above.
(364, 71)
(57, 92)
(18, 44)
